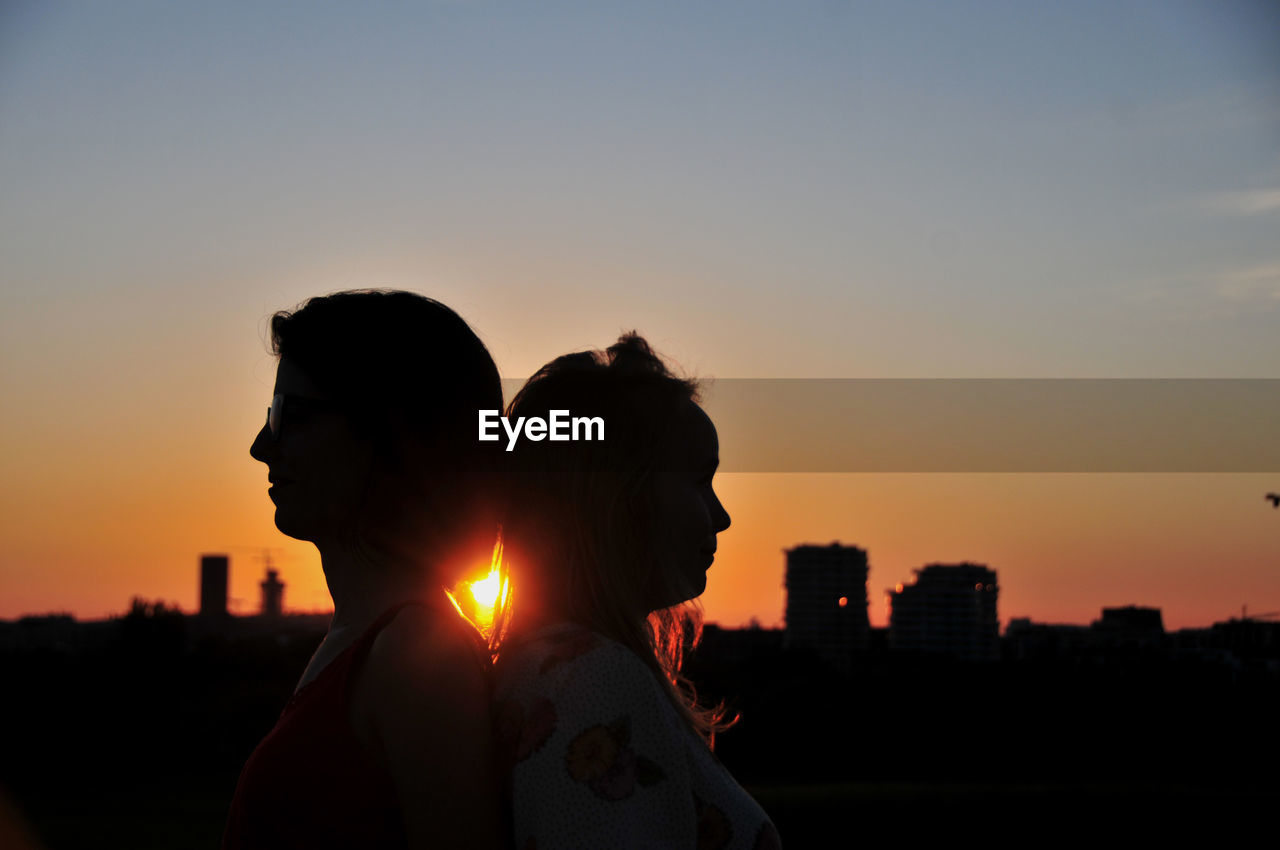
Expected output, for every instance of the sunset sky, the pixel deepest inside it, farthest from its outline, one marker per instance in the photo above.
(764, 190)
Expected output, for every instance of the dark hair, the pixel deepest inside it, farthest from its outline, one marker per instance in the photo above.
(579, 517)
(411, 375)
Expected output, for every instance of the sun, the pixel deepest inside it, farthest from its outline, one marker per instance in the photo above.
(485, 591)
(481, 600)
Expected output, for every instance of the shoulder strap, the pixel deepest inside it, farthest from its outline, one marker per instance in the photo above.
(361, 647)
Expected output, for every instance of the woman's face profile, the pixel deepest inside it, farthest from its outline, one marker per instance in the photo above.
(318, 467)
(687, 513)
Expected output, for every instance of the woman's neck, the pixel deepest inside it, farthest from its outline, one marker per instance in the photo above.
(365, 583)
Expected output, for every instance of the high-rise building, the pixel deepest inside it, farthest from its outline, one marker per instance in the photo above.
(1132, 619)
(213, 585)
(1131, 626)
(827, 601)
(272, 595)
(948, 608)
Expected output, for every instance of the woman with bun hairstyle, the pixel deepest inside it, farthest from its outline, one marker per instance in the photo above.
(371, 455)
(605, 540)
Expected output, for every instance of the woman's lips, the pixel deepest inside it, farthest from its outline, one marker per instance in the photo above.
(277, 485)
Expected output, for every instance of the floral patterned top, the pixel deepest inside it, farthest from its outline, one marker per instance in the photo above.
(599, 757)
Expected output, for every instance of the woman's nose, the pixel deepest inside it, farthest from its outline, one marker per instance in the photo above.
(721, 516)
(262, 446)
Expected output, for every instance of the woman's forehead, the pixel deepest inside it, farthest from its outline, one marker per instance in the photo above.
(292, 380)
(698, 441)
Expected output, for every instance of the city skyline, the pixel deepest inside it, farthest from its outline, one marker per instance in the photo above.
(216, 568)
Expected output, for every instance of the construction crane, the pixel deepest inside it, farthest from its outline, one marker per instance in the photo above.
(1270, 615)
(261, 554)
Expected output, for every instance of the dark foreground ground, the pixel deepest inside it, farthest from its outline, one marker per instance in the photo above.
(833, 815)
(136, 743)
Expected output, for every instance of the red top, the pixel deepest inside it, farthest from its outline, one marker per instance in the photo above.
(310, 783)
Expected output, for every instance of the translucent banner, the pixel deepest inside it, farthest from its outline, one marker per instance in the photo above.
(995, 425)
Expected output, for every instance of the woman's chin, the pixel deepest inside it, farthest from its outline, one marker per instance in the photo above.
(687, 591)
(292, 525)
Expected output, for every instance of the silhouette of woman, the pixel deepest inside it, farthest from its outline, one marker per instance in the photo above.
(371, 454)
(603, 742)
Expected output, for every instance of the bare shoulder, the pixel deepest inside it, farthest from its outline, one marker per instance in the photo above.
(420, 652)
(422, 702)
(417, 659)
(421, 640)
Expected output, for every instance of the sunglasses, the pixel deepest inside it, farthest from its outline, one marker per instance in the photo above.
(299, 407)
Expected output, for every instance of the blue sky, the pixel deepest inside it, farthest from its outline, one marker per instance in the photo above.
(1087, 189)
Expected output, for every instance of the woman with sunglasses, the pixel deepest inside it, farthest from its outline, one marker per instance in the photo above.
(371, 455)
(605, 539)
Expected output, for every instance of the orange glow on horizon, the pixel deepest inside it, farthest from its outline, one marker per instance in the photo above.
(1064, 545)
